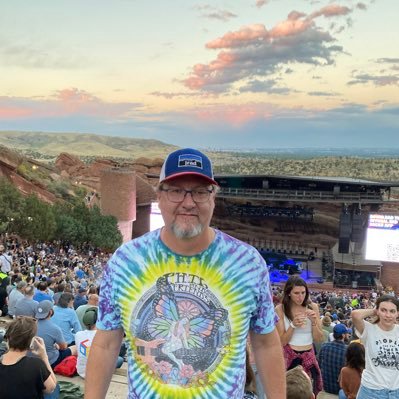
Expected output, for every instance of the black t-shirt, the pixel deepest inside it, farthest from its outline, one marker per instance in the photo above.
(24, 379)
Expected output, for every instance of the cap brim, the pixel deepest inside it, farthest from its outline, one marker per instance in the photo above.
(176, 175)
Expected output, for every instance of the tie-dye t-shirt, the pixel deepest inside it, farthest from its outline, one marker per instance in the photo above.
(186, 318)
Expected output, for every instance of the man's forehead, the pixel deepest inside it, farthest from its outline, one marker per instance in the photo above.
(192, 180)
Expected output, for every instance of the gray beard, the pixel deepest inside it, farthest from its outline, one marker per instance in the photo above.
(187, 233)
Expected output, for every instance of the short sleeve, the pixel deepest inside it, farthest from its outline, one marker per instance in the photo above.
(43, 374)
(264, 317)
(108, 313)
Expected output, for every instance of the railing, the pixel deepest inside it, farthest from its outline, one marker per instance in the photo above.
(301, 195)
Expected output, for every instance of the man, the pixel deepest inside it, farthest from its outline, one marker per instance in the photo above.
(5, 260)
(56, 347)
(42, 293)
(26, 306)
(80, 297)
(84, 340)
(332, 359)
(80, 311)
(15, 295)
(186, 297)
(299, 385)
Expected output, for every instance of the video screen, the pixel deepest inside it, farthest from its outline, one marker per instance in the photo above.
(382, 241)
(156, 220)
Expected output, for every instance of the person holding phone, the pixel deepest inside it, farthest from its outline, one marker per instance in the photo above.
(299, 326)
(22, 376)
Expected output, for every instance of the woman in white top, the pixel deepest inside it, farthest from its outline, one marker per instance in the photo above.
(380, 378)
(299, 326)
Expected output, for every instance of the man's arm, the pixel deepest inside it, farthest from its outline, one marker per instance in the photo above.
(270, 364)
(101, 363)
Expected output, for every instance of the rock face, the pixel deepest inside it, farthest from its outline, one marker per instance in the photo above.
(10, 161)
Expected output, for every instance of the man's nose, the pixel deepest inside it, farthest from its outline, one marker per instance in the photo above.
(188, 199)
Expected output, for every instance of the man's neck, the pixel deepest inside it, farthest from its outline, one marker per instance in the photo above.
(190, 246)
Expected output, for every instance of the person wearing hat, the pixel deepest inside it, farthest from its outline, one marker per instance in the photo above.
(332, 359)
(80, 297)
(56, 347)
(186, 296)
(84, 340)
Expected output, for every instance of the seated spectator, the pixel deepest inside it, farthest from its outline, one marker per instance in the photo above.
(299, 385)
(14, 296)
(332, 359)
(42, 293)
(80, 298)
(351, 374)
(56, 347)
(80, 311)
(85, 338)
(66, 318)
(26, 306)
(25, 376)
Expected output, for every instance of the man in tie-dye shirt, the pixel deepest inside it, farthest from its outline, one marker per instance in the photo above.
(186, 296)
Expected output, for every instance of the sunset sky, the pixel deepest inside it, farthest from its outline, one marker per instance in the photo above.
(219, 74)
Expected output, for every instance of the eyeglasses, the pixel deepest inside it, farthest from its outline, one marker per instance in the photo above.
(178, 194)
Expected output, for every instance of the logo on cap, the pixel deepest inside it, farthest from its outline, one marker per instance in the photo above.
(190, 160)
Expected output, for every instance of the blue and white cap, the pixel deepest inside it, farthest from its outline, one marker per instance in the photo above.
(187, 161)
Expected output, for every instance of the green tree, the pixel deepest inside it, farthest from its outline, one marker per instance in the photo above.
(37, 221)
(10, 206)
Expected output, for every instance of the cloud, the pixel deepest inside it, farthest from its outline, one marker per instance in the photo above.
(388, 60)
(170, 95)
(254, 51)
(265, 86)
(361, 6)
(65, 103)
(332, 10)
(377, 80)
(260, 3)
(211, 12)
(322, 94)
(25, 54)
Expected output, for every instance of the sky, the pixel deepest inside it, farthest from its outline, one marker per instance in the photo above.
(219, 74)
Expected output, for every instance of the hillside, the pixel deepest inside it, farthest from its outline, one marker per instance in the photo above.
(47, 146)
(88, 147)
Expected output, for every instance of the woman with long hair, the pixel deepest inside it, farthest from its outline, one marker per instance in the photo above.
(22, 376)
(299, 326)
(380, 378)
(350, 376)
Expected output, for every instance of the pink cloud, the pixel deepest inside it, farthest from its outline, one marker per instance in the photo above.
(14, 112)
(332, 10)
(242, 37)
(260, 3)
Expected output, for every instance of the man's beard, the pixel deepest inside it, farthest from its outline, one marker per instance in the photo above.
(187, 232)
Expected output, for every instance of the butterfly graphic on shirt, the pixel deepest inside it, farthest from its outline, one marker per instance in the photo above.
(181, 332)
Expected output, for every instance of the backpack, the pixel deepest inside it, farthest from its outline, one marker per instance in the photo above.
(67, 367)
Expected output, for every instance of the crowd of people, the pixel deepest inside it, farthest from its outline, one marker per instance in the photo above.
(184, 300)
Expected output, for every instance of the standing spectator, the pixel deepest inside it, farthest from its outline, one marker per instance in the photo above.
(42, 293)
(332, 359)
(351, 374)
(299, 327)
(5, 260)
(56, 347)
(186, 286)
(380, 378)
(26, 306)
(15, 295)
(80, 298)
(66, 318)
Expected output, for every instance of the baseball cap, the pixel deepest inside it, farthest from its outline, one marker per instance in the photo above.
(340, 329)
(43, 309)
(82, 290)
(90, 316)
(187, 161)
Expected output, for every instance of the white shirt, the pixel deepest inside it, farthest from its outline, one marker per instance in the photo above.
(382, 357)
(83, 340)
